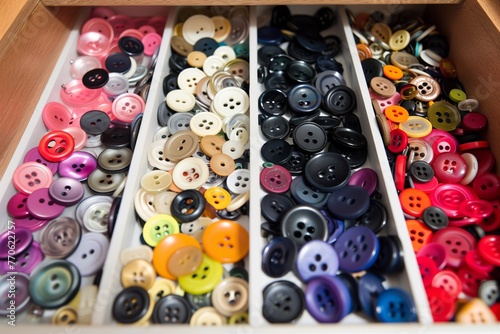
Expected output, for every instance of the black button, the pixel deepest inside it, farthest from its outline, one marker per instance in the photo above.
(113, 214)
(279, 63)
(270, 230)
(304, 98)
(95, 78)
(278, 257)
(438, 43)
(170, 83)
(409, 105)
(435, 218)
(371, 68)
(177, 63)
(273, 102)
(276, 151)
(280, 16)
(116, 137)
(348, 138)
(309, 137)
(303, 23)
(187, 206)
(261, 74)
(311, 41)
(328, 123)
(172, 309)
(277, 80)
(339, 100)
(273, 206)
(421, 171)
(304, 194)
(351, 121)
(355, 157)
(299, 71)
(94, 122)
(283, 302)
(131, 46)
(352, 286)
(134, 133)
(231, 215)
(375, 218)
(447, 84)
(328, 63)
(131, 305)
(332, 46)
(206, 45)
(269, 35)
(304, 223)
(390, 256)
(268, 52)
(164, 113)
(295, 165)
(327, 171)
(297, 51)
(297, 120)
(118, 62)
(239, 272)
(324, 17)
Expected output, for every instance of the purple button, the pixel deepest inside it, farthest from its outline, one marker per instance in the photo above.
(365, 178)
(17, 206)
(34, 155)
(25, 262)
(90, 254)
(349, 202)
(316, 258)
(436, 252)
(335, 227)
(357, 248)
(41, 206)
(15, 241)
(328, 299)
(66, 191)
(78, 165)
(21, 297)
(31, 223)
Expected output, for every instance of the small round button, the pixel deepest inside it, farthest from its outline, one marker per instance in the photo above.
(303, 224)
(66, 191)
(283, 302)
(139, 273)
(171, 309)
(132, 305)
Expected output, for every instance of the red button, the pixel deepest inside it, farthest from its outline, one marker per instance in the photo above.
(471, 280)
(495, 308)
(486, 186)
(399, 141)
(426, 187)
(441, 303)
(474, 121)
(449, 167)
(428, 269)
(436, 252)
(400, 172)
(489, 249)
(476, 208)
(474, 145)
(449, 197)
(449, 281)
(457, 243)
(485, 160)
(55, 146)
(464, 221)
(476, 263)
(492, 222)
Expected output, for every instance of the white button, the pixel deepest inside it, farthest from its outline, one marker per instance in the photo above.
(120, 188)
(117, 84)
(230, 101)
(86, 303)
(82, 65)
(212, 65)
(156, 157)
(205, 123)
(189, 78)
(196, 228)
(233, 148)
(238, 182)
(180, 100)
(240, 134)
(226, 53)
(207, 316)
(236, 121)
(144, 204)
(95, 218)
(156, 181)
(133, 68)
(190, 173)
(472, 168)
(142, 252)
(162, 133)
(197, 27)
(163, 201)
(238, 202)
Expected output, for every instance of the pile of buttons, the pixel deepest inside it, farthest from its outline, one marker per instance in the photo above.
(322, 211)
(442, 165)
(193, 201)
(67, 200)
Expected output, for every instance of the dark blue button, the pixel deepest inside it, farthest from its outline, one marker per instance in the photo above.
(313, 42)
(177, 63)
(131, 46)
(269, 35)
(304, 194)
(325, 17)
(395, 305)
(369, 288)
(339, 100)
(278, 257)
(328, 63)
(351, 121)
(277, 80)
(113, 214)
(352, 286)
(206, 45)
(299, 71)
(273, 206)
(328, 122)
(275, 127)
(280, 16)
(231, 215)
(316, 258)
(276, 151)
(303, 224)
(358, 248)
(297, 51)
(390, 258)
(304, 98)
(297, 120)
(327, 171)
(375, 218)
(303, 23)
(270, 230)
(309, 137)
(283, 302)
(279, 63)
(273, 102)
(268, 52)
(328, 299)
(118, 62)
(348, 202)
(355, 157)
(171, 309)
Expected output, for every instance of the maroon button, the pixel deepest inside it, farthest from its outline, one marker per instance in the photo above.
(486, 186)
(78, 165)
(449, 167)
(485, 160)
(66, 191)
(34, 155)
(399, 141)
(474, 121)
(457, 243)
(476, 208)
(275, 179)
(16, 207)
(41, 206)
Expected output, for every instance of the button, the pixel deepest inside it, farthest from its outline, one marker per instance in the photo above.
(78, 165)
(278, 257)
(449, 281)
(327, 171)
(231, 296)
(118, 62)
(486, 186)
(180, 145)
(225, 241)
(416, 127)
(303, 194)
(349, 202)
(435, 218)
(309, 137)
(382, 87)
(283, 302)
(127, 106)
(218, 197)
(457, 243)
(204, 279)
(207, 316)
(443, 116)
(316, 258)
(93, 43)
(390, 258)
(273, 206)
(364, 52)
(420, 234)
(327, 299)
(24, 262)
(275, 179)
(156, 181)
(303, 224)
(56, 146)
(326, 80)
(56, 116)
(116, 137)
(275, 127)
(104, 183)
(449, 197)
(158, 227)
(41, 206)
(132, 306)
(489, 292)
(151, 42)
(428, 269)
(396, 114)
(238, 181)
(441, 303)
(65, 315)
(90, 255)
(392, 72)
(398, 141)
(489, 249)
(230, 101)
(375, 217)
(475, 311)
(21, 299)
(66, 191)
(23, 239)
(16, 207)
(276, 151)
(61, 237)
(395, 305)
(54, 284)
(171, 309)
(273, 102)
(95, 78)
(187, 206)
(190, 173)
(339, 100)
(358, 248)
(139, 273)
(94, 122)
(369, 288)
(349, 138)
(414, 201)
(222, 164)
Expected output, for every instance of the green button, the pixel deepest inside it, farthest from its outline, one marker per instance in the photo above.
(204, 279)
(444, 116)
(457, 95)
(158, 227)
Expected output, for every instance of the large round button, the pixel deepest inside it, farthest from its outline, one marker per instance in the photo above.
(171, 309)
(357, 248)
(60, 237)
(226, 241)
(231, 296)
(278, 257)
(138, 272)
(395, 305)
(457, 243)
(349, 202)
(40, 205)
(132, 305)
(327, 171)
(283, 302)
(303, 224)
(21, 299)
(90, 255)
(78, 165)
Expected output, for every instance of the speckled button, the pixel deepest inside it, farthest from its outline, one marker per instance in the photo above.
(66, 191)
(90, 255)
(60, 237)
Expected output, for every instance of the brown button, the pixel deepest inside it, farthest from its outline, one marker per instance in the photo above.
(230, 296)
(211, 145)
(408, 92)
(180, 145)
(376, 107)
(381, 31)
(364, 51)
(428, 88)
(403, 60)
(222, 164)
(196, 58)
(178, 29)
(65, 315)
(179, 44)
(185, 261)
(384, 128)
(383, 87)
(138, 273)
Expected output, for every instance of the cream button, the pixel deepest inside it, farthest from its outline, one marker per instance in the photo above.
(222, 28)
(144, 204)
(226, 53)
(180, 100)
(197, 27)
(230, 101)
(156, 181)
(189, 78)
(141, 252)
(156, 156)
(230, 296)
(161, 287)
(190, 173)
(138, 273)
(163, 201)
(213, 64)
(233, 148)
(205, 123)
(207, 316)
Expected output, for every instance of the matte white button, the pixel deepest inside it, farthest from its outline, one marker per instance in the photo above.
(190, 173)
(205, 123)
(233, 148)
(180, 100)
(230, 101)
(240, 134)
(116, 85)
(189, 78)
(197, 27)
(238, 182)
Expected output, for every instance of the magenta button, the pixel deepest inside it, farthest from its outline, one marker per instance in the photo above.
(15, 241)
(41, 206)
(33, 155)
(25, 262)
(31, 223)
(365, 178)
(436, 252)
(78, 166)
(16, 207)
(457, 243)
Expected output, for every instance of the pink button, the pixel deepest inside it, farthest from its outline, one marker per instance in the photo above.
(16, 207)
(158, 22)
(92, 44)
(75, 94)
(56, 116)
(146, 29)
(443, 145)
(35, 156)
(126, 106)
(448, 281)
(31, 176)
(426, 187)
(41, 206)
(99, 25)
(464, 221)
(78, 135)
(449, 167)
(449, 197)
(384, 103)
(276, 179)
(436, 133)
(120, 23)
(476, 208)
(103, 12)
(486, 186)
(457, 243)
(132, 33)
(436, 252)
(151, 42)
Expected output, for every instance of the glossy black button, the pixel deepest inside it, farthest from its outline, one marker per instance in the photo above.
(261, 74)
(327, 171)
(371, 68)
(304, 194)
(95, 78)
(239, 272)
(187, 206)
(299, 71)
(375, 218)
(352, 286)
(302, 23)
(351, 121)
(273, 206)
(304, 98)
(295, 165)
(409, 105)
(309, 137)
(94, 122)
(355, 157)
(303, 224)
(283, 302)
(131, 305)
(328, 63)
(273, 102)
(448, 84)
(348, 202)
(311, 41)
(279, 63)
(170, 83)
(177, 63)
(131, 46)
(278, 257)
(269, 35)
(297, 51)
(270, 230)
(116, 137)
(328, 123)
(275, 127)
(171, 309)
(421, 171)
(118, 62)
(276, 151)
(390, 257)
(435, 218)
(277, 80)
(113, 214)
(134, 133)
(339, 100)
(268, 52)
(280, 16)
(299, 119)
(348, 138)
(438, 43)
(231, 215)
(206, 45)
(325, 17)
(332, 46)
(163, 114)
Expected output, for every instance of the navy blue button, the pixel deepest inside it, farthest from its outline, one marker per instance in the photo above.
(352, 286)
(328, 63)
(339, 100)
(273, 102)
(135, 127)
(299, 71)
(332, 45)
(279, 63)
(276, 151)
(303, 23)
(206, 45)
(131, 46)
(357, 248)
(328, 122)
(118, 62)
(273, 206)
(313, 42)
(171, 309)
(304, 98)
(296, 163)
(283, 302)
(316, 258)
(113, 214)
(335, 227)
(261, 74)
(348, 202)
(349, 138)
(269, 35)
(303, 224)
(95, 78)
(296, 119)
(299, 52)
(309, 137)
(390, 258)
(270, 230)
(372, 68)
(268, 52)
(326, 80)
(94, 122)
(328, 299)
(277, 80)
(327, 171)
(278, 257)
(304, 194)
(369, 288)
(395, 305)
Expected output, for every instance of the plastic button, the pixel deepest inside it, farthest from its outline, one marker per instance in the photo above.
(204, 279)
(60, 237)
(316, 258)
(90, 255)
(278, 257)
(225, 241)
(457, 243)
(283, 302)
(139, 273)
(171, 309)
(358, 248)
(132, 306)
(327, 299)
(327, 171)
(303, 224)
(395, 305)
(66, 191)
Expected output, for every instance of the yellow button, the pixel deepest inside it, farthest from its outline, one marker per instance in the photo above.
(65, 315)
(138, 273)
(230, 296)
(416, 127)
(475, 312)
(239, 319)
(399, 40)
(162, 287)
(204, 279)
(158, 227)
(196, 58)
(218, 197)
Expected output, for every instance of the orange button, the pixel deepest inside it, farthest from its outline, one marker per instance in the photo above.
(414, 201)
(420, 235)
(225, 241)
(177, 255)
(392, 72)
(396, 114)
(364, 52)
